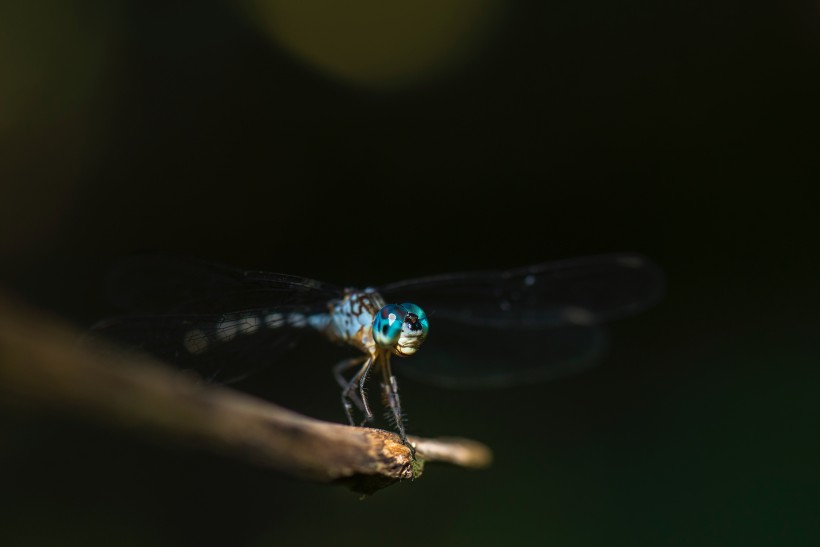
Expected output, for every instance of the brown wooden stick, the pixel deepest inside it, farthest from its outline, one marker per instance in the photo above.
(43, 366)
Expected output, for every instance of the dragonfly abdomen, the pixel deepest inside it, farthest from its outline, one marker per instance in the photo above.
(230, 327)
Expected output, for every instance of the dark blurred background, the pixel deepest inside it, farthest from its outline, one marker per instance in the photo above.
(361, 142)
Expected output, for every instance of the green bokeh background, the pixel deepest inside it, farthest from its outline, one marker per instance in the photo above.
(687, 132)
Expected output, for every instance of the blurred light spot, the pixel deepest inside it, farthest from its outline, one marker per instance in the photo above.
(380, 44)
(578, 316)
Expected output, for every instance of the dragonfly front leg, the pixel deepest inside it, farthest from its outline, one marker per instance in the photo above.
(391, 394)
(338, 372)
(349, 390)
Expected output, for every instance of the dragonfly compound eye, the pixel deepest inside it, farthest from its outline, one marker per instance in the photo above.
(416, 319)
(387, 325)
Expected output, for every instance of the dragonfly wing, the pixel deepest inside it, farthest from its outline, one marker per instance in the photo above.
(581, 291)
(161, 282)
(465, 356)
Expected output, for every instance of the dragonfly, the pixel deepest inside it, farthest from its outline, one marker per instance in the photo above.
(489, 328)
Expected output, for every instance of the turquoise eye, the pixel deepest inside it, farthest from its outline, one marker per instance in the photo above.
(387, 325)
(419, 313)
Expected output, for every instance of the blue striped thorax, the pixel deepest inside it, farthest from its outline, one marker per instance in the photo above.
(400, 328)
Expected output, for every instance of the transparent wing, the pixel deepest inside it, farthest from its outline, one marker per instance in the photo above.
(476, 357)
(162, 283)
(222, 322)
(497, 328)
(581, 291)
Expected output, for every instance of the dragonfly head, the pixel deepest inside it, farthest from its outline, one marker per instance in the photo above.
(401, 328)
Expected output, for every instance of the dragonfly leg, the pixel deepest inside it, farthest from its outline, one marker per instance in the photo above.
(338, 372)
(391, 394)
(349, 393)
(368, 415)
